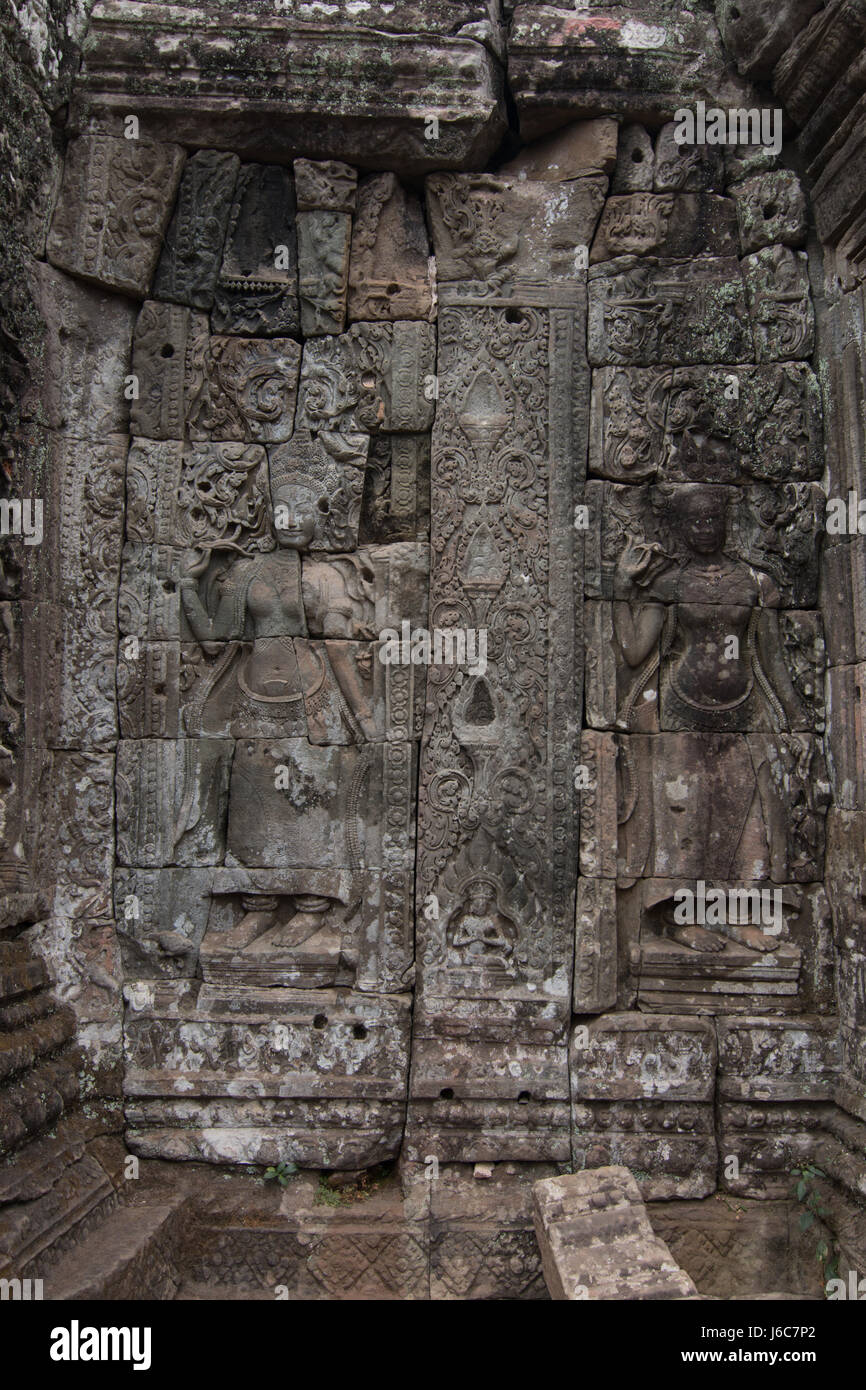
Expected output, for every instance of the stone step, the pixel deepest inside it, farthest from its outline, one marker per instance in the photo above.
(130, 1255)
(596, 1240)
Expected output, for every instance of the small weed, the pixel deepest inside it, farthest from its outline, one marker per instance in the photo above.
(281, 1173)
(810, 1197)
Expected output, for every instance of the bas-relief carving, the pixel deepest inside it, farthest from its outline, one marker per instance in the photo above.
(645, 311)
(496, 841)
(490, 771)
(193, 245)
(391, 275)
(375, 377)
(256, 580)
(210, 388)
(502, 237)
(719, 773)
(114, 204)
(271, 729)
(706, 424)
(257, 286)
(758, 526)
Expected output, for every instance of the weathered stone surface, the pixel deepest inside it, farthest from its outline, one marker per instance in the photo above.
(780, 306)
(587, 147)
(845, 736)
(771, 209)
(112, 210)
(508, 236)
(396, 502)
(792, 976)
(767, 1141)
(76, 836)
(216, 388)
(634, 161)
(77, 561)
(665, 224)
(562, 66)
(248, 390)
(482, 1239)
(685, 168)
(325, 187)
(598, 826)
(86, 356)
(257, 287)
(643, 312)
(390, 275)
(595, 953)
(735, 834)
(741, 1249)
(632, 1056)
(168, 346)
(376, 376)
(310, 819)
(340, 89)
(284, 1073)
(472, 1101)
(633, 684)
(597, 1243)
(192, 252)
(812, 62)
(755, 37)
(324, 239)
(192, 496)
(706, 424)
(502, 914)
(81, 677)
(171, 798)
(669, 1146)
(773, 530)
(161, 916)
(777, 1059)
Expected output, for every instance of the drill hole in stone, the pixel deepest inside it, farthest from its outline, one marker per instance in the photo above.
(524, 1098)
(446, 1093)
(320, 1020)
(359, 1031)
(167, 350)
(770, 211)
(513, 316)
(637, 156)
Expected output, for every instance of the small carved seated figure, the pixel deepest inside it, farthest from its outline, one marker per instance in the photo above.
(479, 929)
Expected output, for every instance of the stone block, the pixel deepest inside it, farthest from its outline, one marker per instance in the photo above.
(112, 210)
(193, 247)
(376, 376)
(391, 274)
(257, 287)
(643, 312)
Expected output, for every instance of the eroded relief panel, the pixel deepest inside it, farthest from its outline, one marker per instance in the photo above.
(497, 837)
(304, 432)
(267, 763)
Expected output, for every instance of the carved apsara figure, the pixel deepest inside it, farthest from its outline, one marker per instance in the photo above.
(698, 638)
(267, 681)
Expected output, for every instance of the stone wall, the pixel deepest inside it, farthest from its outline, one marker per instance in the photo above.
(418, 322)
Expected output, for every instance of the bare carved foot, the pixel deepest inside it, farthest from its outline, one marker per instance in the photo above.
(698, 938)
(753, 937)
(299, 928)
(251, 926)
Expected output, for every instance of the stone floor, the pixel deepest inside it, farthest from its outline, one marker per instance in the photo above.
(192, 1232)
